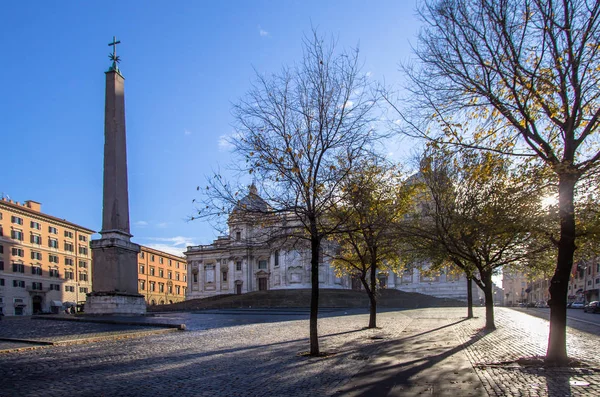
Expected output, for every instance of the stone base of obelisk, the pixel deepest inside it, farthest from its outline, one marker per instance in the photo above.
(114, 276)
(115, 303)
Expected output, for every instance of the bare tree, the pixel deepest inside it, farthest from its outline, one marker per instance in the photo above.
(519, 77)
(299, 134)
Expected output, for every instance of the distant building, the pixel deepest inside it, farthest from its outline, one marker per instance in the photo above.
(45, 262)
(584, 284)
(514, 284)
(162, 277)
(252, 258)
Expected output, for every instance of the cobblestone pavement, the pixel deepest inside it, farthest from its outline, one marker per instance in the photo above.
(246, 360)
(48, 331)
(520, 334)
(422, 352)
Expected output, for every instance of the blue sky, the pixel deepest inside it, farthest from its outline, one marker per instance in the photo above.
(185, 63)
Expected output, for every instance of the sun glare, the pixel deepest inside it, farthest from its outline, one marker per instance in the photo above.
(549, 201)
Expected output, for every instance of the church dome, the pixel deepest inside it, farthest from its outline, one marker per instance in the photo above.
(252, 202)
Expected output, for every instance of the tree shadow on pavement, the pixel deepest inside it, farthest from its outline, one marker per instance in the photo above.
(407, 363)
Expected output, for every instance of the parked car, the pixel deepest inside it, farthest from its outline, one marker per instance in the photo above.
(592, 307)
(577, 305)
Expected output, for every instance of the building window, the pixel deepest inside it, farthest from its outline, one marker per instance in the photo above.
(83, 238)
(69, 275)
(152, 286)
(178, 290)
(18, 268)
(35, 225)
(170, 289)
(54, 273)
(83, 277)
(16, 234)
(69, 288)
(68, 246)
(68, 234)
(54, 287)
(161, 273)
(142, 269)
(142, 285)
(69, 262)
(18, 252)
(151, 258)
(195, 277)
(170, 262)
(52, 229)
(160, 260)
(1, 248)
(36, 286)
(177, 276)
(19, 283)
(177, 265)
(83, 250)
(151, 271)
(277, 258)
(53, 258)
(225, 276)
(161, 287)
(170, 275)
(36, 255)
(238, 266)
(36, 270)
(238, 236)
(1, 265)
(83, 264)
(185, 279)
(1, 282)
(16, 220)
(83, 290)
(35, 239)
(52, 243)
(142, 254)
(262, 264)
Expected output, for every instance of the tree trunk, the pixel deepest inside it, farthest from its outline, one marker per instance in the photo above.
(557, 340)
(488, 292)
(469, 297)
(315, 244)
(373, 298)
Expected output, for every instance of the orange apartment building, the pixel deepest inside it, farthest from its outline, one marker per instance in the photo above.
(162, 277)
(45, 262)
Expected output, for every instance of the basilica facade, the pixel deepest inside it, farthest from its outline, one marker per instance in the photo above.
(258, 255)
(255, 256)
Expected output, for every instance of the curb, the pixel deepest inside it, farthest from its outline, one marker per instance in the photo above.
(99, 320)
(44, 344)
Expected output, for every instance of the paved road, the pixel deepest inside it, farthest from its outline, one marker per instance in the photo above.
(417, 352)
(576, 318)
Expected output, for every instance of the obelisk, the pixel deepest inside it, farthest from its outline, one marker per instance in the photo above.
(114, 256)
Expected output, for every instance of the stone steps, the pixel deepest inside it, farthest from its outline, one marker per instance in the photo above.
(300, 298)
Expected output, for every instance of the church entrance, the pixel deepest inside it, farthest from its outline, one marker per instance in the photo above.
(262, 284)
(238, 289)
(36, 302)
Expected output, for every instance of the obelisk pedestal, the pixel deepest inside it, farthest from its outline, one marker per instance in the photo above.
(114, 256)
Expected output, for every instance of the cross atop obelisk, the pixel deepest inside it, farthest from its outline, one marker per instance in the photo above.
(113, 57)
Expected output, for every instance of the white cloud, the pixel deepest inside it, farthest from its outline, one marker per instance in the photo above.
(187, 132)
(162, 225)
(262, 32)
(174, 245)
(167, 248)
(224, 143)
(141, 223)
